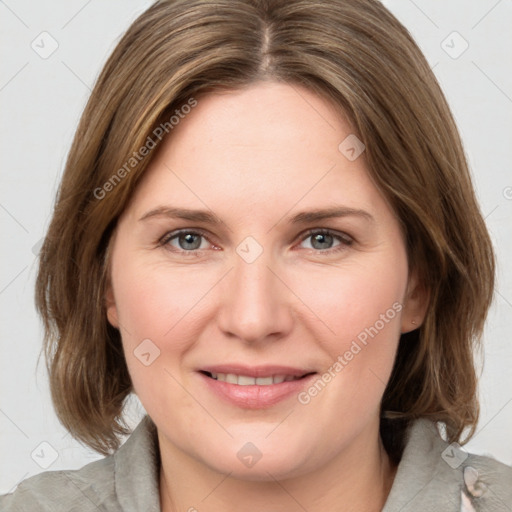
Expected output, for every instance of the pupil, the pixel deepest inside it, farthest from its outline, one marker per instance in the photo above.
(322, 241)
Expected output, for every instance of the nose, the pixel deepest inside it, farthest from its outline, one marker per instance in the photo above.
(255, 304)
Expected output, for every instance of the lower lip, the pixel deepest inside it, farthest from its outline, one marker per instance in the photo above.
(254, 396)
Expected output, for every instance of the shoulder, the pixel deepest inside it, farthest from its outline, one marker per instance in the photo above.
(85, 489)
(436, 475)
(127, 480)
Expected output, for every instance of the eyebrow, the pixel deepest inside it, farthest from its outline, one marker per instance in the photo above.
(208, 217)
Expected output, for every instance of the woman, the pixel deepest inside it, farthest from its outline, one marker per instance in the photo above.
(266, 229)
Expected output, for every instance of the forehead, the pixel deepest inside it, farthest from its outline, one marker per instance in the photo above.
(269, 116)
(262, 148)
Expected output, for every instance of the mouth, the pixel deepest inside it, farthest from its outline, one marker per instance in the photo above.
(248, 380)
(255, 387)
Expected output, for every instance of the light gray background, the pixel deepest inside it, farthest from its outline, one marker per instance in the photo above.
(41, 101)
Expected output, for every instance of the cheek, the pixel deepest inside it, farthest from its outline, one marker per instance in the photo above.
(156, 308)
(359, 307)
(355, 298)
(152, 301)
(360, 356)
(167, 306)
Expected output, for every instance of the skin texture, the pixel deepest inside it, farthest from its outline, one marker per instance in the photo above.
(254, 158)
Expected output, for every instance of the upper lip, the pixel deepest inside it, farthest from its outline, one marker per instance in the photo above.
(256, 371)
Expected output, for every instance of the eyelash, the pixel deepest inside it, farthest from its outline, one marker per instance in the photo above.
(344, 239)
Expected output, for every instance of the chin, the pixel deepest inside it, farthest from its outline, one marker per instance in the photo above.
(261, 460)
(268, 471)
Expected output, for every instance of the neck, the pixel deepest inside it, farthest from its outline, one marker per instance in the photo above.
(358, 479)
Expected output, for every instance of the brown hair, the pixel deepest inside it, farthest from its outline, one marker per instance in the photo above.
(352, 52)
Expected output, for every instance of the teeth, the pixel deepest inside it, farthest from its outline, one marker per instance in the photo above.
(231, 378)
(245, 380)
(264, 381)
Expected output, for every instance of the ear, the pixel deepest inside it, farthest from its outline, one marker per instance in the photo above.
(415, 304)
(110, 305)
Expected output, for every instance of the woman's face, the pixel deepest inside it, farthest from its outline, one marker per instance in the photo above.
(257, 247)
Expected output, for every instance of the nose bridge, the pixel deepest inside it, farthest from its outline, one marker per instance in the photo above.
(252, 281)
(254, 304)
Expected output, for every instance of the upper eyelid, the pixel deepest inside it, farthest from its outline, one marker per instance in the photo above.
(333, 232)
(197, 231)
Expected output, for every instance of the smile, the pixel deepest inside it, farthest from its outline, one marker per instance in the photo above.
(246, 380)
(256, 387)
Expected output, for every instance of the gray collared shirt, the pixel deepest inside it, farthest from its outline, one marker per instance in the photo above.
(431, 476)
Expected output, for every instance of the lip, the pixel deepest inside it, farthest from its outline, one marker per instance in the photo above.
(255, 396)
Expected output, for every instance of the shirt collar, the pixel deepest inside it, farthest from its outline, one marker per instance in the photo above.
(137, 465)
(424, 481)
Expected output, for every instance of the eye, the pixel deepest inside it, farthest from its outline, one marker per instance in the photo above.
(319, 240)
(323, 240)
(186, 241)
